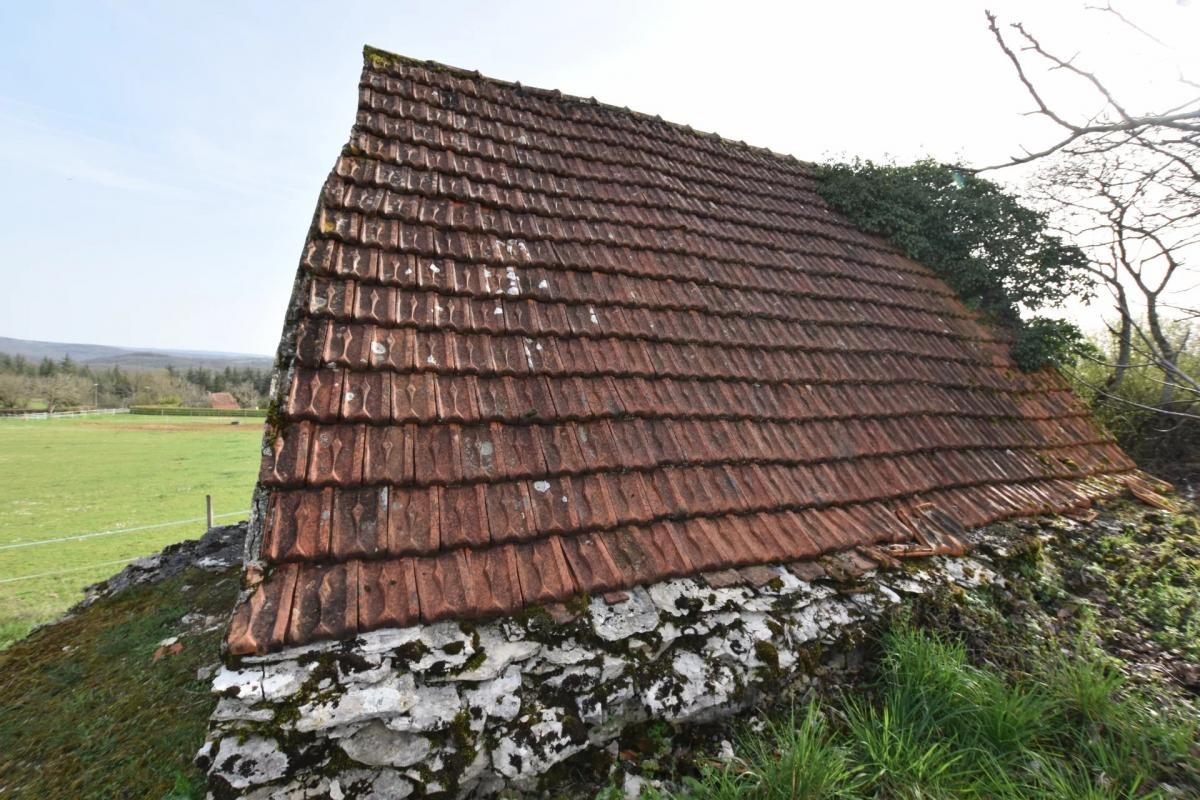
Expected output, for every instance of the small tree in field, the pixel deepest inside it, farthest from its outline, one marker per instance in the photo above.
(62, 390)
(14, 391)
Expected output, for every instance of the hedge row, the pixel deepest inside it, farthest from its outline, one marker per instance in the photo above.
(179, 411)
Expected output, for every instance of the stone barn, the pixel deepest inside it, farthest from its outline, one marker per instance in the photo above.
(579, 417)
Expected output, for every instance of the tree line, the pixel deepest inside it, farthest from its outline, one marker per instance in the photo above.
(58, 385)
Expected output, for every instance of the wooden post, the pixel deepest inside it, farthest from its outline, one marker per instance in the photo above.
(208, 510)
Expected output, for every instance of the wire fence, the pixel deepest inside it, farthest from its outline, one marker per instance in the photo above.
(57, 414)
(117, 531)
(94, 534)
(69, 569)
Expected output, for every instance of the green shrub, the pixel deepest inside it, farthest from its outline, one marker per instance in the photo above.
(996, 254)
(179, 411)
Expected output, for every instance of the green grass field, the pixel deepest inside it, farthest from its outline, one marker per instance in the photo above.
(78, 476)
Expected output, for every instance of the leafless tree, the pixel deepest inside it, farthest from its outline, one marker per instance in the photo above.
(1124, 184)
(14, 391)
(62, 390)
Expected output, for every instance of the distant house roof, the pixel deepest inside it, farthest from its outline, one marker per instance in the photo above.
(542, 346)
(222, 400)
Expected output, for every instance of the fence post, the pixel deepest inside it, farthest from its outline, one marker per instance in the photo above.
(208, 510)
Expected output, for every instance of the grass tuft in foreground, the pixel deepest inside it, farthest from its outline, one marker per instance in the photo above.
(933, 725)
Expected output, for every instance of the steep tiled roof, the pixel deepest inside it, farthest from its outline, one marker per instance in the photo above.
(541, 346)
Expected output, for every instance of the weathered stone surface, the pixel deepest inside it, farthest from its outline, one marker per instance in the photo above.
(376, 745)
(251, 762)
(474, 710)
(637, 614)
(356, 703)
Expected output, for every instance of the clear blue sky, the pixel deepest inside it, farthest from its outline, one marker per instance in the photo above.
(161, 161)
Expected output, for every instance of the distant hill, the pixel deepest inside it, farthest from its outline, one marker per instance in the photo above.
(99, 355)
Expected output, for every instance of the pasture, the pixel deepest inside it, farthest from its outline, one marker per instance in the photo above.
(116, 482)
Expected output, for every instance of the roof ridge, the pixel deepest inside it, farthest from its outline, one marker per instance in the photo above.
(376, 58)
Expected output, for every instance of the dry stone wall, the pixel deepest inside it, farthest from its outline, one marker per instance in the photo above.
(471, 710)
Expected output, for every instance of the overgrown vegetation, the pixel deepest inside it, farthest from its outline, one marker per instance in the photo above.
(87, 711)
(1163, 437)
(1076, 679)
(57, 385)
(1144, 578)
(934, 725)
(997, 254)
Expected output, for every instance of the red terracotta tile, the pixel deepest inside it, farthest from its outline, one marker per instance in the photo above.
(596, 445)
(530, 400)
(359, 525)
(560, 449)
(625, 548)
(319, 255)
(331, 298)
(464, 521)
(387, 594)
(325, 604)
(443, 583)
(393, 350)
(495, 585)
(630, 499)
(457, 399)
(591, 501)
(413, 521)
(494, 399)
(478, 453)
(682, 538)
(260, 623)
(286, 460)
(640, 411)
(663, 445)
(543, 571)
(357, 262)
(367, 397)
(509, 511)
(310, 341)
(661, 494)
(337, 455)
(387, 455)
(591, 565)
(437, 456)
(375, 304)
(722, 547)
(348, 345)
(298, 525)
(518, 451)
(553, 511)
(413, 398)
(315, 394)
